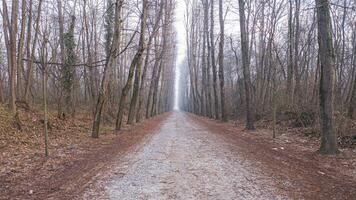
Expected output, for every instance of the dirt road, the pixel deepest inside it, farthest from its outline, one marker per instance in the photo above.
(194, 158)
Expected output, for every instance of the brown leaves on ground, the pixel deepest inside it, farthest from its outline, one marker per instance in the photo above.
(293, 158)
(24, 170)
(21, 150)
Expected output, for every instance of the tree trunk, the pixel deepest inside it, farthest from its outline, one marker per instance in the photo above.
(327, 61)
(91, 90)
(44, 82)
(246, 66)
(213, 64)
(143, 79)
(109, 64)
(352, 105)
(142, 47)
(61, 44)
(156, 87)
(297, 89)
(152, 84)
(144, 74)
(21, 44)
(208, 78)
(135, 65)
(68, 71)
(221, 63)
(10, 32)
(204, 88)
(28, 52)
(290, 55)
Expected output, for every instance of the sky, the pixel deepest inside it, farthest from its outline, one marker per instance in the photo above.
(181, 46)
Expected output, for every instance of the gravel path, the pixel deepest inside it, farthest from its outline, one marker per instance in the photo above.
(184, 160)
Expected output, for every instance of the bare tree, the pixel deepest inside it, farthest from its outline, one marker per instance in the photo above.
(138, 64)
(135, 64)
(109, 64)
(10, 26)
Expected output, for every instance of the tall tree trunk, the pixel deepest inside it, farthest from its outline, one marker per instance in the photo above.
(63, 53)
(213, 64)
(10, 32)
(208, 78)
(327, 61)
(144, 74)
(156, 85)
(102, 97)
(44, 87)
(204, 88)
(165, 35)
(352, 105)
(290, 55)
(262, 48)
(143, 79)
(28, 52)
(297, 89)
(246, 66)
(152, 84)
(13, 41)
(142, 47)
(221, 63)
(68, 71)
(135, 64)
(92, 90)
(31, 50)
(21, 44)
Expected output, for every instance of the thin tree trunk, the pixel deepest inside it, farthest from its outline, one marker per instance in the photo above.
(44, 82)
(21, 44)
(204, 88)
(63, 53)
(297, 89)
(221, 63)
(208, 78)
(290, 55)
(212, 45)
(29, 53)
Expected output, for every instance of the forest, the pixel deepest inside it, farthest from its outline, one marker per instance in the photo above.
(70, 56)
(89, 86)
(286, 60)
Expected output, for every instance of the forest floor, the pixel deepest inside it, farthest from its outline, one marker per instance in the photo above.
(25, 173)
(182, 156)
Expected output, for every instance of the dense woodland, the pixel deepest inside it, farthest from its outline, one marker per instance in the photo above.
(270, 59)
(116, 59)
(112, 58)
